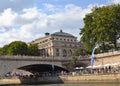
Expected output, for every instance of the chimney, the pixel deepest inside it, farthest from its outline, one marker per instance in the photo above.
(46, 34)
(61, 30)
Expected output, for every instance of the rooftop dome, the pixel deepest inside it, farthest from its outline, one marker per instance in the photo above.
(61, 33)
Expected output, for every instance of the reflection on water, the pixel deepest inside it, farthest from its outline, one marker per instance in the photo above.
(72, 85)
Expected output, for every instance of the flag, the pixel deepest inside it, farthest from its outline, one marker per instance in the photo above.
(52, 67)
(92, 58)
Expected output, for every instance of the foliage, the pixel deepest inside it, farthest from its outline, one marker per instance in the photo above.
(4, 50)
(19, 48)
(33, 50)
(79, 52)
(102, 26)
(74, 60)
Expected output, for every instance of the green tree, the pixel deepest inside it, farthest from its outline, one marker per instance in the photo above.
(33, 50)
(74, 60)
(79, 52)
(102, 26)
(4, 50)
(17, 48)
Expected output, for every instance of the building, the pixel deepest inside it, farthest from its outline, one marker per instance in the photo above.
(58, 44)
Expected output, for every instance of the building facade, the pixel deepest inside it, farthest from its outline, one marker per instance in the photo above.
(58, 44)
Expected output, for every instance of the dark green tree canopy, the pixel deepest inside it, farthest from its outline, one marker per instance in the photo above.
(79, 52)
(74, 60)
(33, 50)
(20, 48)
(17, 48)
(4, 50)
(102, 26)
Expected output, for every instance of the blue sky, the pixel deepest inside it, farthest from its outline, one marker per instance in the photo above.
(27, 20)
(82, 3)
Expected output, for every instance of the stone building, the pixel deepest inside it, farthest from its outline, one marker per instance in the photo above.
(58, 44)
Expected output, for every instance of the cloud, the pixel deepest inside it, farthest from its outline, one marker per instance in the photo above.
(115, 1)
(3, 29)
(32, 23)
(16, 5)
(7, 17)
(49, 7)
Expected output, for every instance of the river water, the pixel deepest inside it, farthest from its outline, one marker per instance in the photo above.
(72, 85)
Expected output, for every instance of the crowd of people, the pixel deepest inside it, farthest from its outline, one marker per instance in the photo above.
(98, 70)
(83, 71)
(29, 75)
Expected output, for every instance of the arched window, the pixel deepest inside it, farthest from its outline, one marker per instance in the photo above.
(70, 52)
(57, 52)
(64, 53)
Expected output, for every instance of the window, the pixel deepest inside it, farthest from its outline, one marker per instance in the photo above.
(51, 38)
(64, 53)
(57, 52)
(67, 39)
(56, 38)
(70, 52)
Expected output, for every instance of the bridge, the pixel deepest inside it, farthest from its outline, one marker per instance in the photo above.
(37, 64)
(34, 63)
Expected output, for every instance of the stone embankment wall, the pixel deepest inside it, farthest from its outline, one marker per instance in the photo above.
(98, 78)
(107, 58)
(10, 81)
(104, 78)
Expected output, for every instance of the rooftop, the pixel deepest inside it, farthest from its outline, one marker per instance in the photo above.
(61, 33)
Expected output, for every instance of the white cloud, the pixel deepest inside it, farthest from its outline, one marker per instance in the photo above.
(3, 29)
(32, 23)
(115, 1)
(30, 14)
(7, 17)
(50, 7)
(16, 5)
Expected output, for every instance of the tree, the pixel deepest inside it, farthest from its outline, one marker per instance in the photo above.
(79, 52)
(74, 60)
(4, 50)
(33, 50)
(102, 26)
(17, 48)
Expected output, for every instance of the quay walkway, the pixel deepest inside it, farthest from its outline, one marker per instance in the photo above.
(91, 78)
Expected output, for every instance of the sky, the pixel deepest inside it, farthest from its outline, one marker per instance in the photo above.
(27, 20)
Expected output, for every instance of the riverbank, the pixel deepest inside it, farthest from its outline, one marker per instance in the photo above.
(96, 78)
(10, 81)
(93, 78)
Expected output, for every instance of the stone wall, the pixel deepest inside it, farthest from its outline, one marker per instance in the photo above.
(101, 78)
(107, 58)
(104, 78)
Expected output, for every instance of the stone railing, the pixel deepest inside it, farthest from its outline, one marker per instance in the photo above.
(108, 54)
(19, 57)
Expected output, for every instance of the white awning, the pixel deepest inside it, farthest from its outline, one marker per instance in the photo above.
(112, 64)
(95, 66)
(79, 67)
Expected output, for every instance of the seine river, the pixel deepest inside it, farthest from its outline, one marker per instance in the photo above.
(72, 85)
